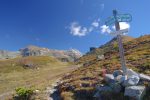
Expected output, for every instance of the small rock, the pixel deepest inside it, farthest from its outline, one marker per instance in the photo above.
(37, 91)
(136, 92)
(144, 77)
(120, 78)
(117, 72)
(100, 57)
(109, 78)
(133, 80)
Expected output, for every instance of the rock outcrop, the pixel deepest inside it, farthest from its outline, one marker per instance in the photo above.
(63, 55)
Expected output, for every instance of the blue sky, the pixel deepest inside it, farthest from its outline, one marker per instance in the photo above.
(64, 24)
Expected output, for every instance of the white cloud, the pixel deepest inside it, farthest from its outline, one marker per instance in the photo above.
(78, 30)
(95, 24)
(105, 29)
(123, 25)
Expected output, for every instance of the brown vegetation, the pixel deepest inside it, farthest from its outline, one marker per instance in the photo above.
(81, 83)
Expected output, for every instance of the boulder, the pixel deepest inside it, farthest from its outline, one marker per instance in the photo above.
(132, 80)
(116, 87)
(109, 78)
(130, 73)
(144, 77)
(117, 72)
(136, 92)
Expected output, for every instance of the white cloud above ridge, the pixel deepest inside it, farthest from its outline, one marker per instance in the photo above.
(105, 29)
(95, 24)
(77, 30)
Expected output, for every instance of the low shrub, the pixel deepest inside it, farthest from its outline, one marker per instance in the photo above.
(23, 93)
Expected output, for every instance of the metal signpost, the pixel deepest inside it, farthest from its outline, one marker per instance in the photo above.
(120, 18)
(115, 19)
(119, 32)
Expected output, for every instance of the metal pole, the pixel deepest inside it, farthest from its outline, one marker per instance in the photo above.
(121, 50)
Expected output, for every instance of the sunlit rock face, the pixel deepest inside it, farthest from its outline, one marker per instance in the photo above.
(64, 55)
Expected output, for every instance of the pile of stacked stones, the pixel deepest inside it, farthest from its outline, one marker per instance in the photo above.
(131, 84)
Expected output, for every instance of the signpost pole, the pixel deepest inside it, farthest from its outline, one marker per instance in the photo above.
(121, 50)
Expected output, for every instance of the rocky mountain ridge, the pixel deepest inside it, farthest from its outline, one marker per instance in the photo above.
(64, 55)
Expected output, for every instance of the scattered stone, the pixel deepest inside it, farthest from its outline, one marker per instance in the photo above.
(144, 77)
(117, 73)
(109, 78)
(136, 92)
(54, 84)
(100, 57)
(37, 91)
(50, 90)
(133, 80)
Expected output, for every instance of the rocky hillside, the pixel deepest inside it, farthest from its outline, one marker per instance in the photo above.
(63, 55)
(81, 83)
(95, 52)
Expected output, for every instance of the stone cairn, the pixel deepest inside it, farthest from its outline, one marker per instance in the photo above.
(131, 84)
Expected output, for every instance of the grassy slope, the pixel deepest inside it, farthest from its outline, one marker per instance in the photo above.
(80, 84)
(13, 75)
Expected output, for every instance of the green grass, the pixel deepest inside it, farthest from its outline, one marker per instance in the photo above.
(13, 75)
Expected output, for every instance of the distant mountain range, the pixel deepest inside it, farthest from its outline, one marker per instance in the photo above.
(64, 55)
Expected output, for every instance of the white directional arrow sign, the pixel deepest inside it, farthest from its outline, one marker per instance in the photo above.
(120, 32)
(120, 18)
